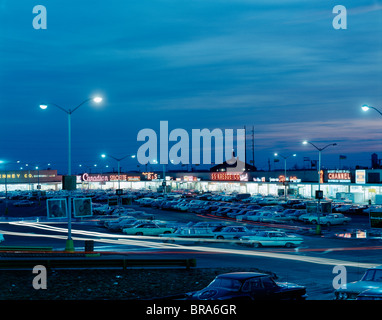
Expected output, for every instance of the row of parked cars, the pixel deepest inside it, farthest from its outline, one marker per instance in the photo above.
(139, 223)
(282, 212)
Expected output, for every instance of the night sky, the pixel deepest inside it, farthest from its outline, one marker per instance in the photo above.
(279, 66)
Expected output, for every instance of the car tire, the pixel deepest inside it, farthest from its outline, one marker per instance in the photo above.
(314, 221)
(328, 224)
(220, 237)
(139, 234)
(167, 232)
(289, 245)
(256, 245)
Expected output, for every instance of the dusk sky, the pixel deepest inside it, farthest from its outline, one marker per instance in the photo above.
(279, 66)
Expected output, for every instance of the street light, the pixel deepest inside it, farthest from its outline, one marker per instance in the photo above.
(366, 107)
(118, 161)
(69, 241)
(285, 170)
(318, 230)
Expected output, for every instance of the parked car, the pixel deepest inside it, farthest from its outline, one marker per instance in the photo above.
(291, 202)
(245, 216)
(342, 208)
(293, 214)
(248, 286)
(371, 294)
(188, 233)
(332, 219)
(372, 279)
(271, 238)
(259, 216)
(275, 217)
(308, 217)
(232, 232)
(147, 229)
(118, 223)
(212, 225)
(1, 237)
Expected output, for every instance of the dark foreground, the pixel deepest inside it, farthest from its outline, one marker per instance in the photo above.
(93, 284)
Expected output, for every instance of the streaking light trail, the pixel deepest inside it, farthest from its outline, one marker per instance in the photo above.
(143, 242)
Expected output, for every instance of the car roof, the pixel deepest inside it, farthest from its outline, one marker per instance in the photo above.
(241, 275)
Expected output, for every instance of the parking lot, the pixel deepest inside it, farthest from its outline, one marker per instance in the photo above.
(191, 226)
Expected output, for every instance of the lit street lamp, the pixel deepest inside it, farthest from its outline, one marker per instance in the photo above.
(366, 107)
(319, 178)
(285, 170)
(69, 241)
(119, 168)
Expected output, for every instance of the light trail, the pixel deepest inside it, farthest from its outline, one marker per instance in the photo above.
(131, 240)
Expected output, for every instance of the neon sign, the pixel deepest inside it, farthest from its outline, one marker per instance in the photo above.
(150, 175)
(95, 178)
(225, 176)
(339, 176)
(112, 177)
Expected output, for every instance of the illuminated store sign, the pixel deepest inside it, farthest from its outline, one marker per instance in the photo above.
(229, 176)
(112, 177)
(360, 176)
(28, 176)
(282, 179)
(190, 178)
(339, 176)
(150, 175)
(94, 178)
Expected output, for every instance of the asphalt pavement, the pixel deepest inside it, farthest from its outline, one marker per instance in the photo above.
(311, 264)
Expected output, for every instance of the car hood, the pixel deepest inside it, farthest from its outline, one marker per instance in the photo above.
(359, 286)
(288, 285)
(212, 294)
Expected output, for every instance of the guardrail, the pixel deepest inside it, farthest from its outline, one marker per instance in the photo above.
(18, 263)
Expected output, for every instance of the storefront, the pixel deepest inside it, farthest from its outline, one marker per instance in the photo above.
(29, 180)
(348, 185)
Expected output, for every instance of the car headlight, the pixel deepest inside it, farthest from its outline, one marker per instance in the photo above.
(342, 296)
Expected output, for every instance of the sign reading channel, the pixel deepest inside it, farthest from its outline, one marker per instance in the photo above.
(179, 152)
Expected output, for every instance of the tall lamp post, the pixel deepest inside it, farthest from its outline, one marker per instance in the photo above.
(69, 242)
(318, 230)
(366, 107)
(119, 171)
(285, 170)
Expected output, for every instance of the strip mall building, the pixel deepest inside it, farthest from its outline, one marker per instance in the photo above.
(359, 186)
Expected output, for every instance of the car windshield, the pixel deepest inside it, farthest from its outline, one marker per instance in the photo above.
(225, 283)
(373, 275)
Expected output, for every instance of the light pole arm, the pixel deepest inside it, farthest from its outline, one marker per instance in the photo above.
(83, 102)
(59, 107)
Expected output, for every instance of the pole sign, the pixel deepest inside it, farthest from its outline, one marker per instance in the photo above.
(82, 207)
(56, 208)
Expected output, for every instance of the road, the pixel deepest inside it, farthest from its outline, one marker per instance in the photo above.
(311, 264)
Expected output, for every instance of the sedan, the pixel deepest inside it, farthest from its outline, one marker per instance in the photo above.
(188, 234)
(234, 232)
(271, 238)
(333, 219)
(372, 279)
(248, 286)
(147, 229)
